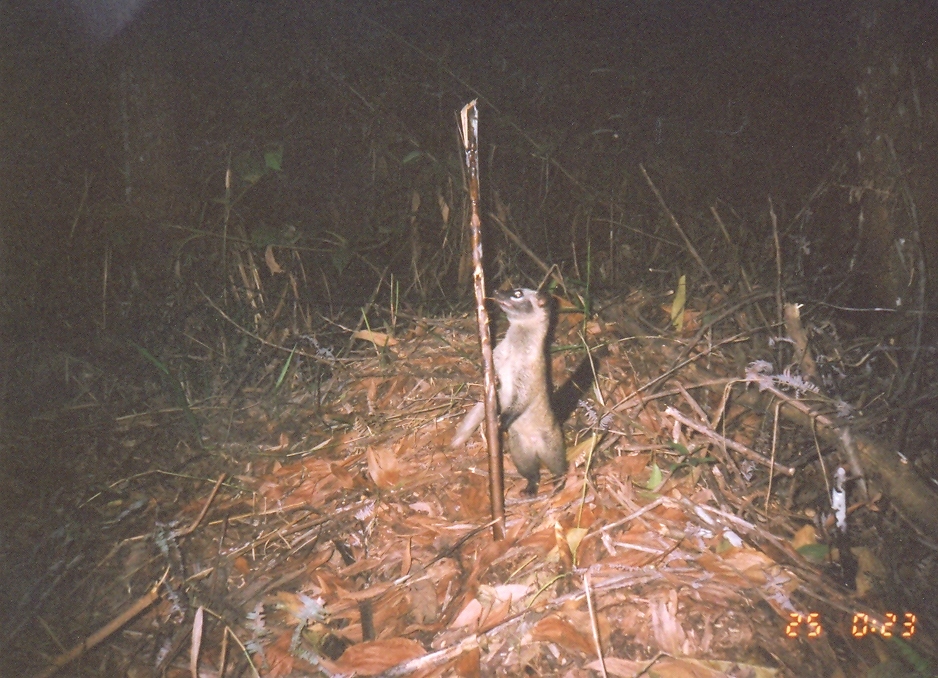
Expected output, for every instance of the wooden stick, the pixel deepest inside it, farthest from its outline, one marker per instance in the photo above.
(728, 442)
(677, 227)
(101, 634)
(198, 519)
(470, 137)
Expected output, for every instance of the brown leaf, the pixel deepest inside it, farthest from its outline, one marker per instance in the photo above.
(271, 261)
(424, 605)
(469, 615)
(495, 614)
(282, 444)
(667, 628)
(278, 656)
(754, 565)
(804, 537)
(468, 664)
(407, 558)
(345, 479)
(377, 338)
(556, 630)
(383, 467)
(242, 565)
(369, 659)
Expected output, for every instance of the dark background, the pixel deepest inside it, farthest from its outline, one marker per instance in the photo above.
(119, 126)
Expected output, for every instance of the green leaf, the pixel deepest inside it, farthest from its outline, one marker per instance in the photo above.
(413, 155)
(153, 359)
(284, 369)
(921, 664)
(655, 479)
(340, 258)
(248, 167)
(816, 553)
(677, 447)
(273, 158)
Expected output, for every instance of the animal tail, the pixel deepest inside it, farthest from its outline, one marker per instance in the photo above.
(468, 426)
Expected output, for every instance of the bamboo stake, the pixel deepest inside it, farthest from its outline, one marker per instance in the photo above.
(469, 117)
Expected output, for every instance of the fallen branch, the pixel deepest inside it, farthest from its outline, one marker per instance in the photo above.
(98, 636)
(727, 442)
(198, 519)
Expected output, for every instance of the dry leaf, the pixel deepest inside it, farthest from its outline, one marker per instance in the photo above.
(509, 592)
(468, 664)
(282, 444)
(376, 338)
(272, 264)
(580, 449)
(345, 479)
(574, 537)
(495, 615)
(869, 569)
(383, 467)
(667, 628)
(369, 659)
(752, 564)
(424, 606)
(278, 656)
(468, 616)
(556, 630)
(804, 537)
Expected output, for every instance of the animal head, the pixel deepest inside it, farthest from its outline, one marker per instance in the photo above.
(522, 304)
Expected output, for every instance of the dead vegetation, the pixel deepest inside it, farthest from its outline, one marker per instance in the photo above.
(230, 456)
(345, 538)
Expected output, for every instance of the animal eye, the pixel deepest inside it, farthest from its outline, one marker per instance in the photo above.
(517, 293)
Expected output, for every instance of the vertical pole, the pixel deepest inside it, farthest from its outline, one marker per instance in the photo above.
(469, 118)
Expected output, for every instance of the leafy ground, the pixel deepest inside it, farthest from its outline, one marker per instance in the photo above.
(342, 536)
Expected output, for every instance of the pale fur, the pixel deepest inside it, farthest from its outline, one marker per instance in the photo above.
(534, 434)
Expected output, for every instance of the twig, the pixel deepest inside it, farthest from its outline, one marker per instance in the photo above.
(594, 624)
(198, 519)
(98, 636)
(260, 339)
(841, 433)
(795, 329)
(81, 207)
(198, 626)
(677, 227)
(922, 270)
(768, 491)
(779, 313)
(611, 526)
(682, 359)
(728, 442)
(511, 235)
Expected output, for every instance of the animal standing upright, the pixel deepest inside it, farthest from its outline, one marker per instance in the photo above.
(522, 368)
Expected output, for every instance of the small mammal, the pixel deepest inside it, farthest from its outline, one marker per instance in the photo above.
(534, 434)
